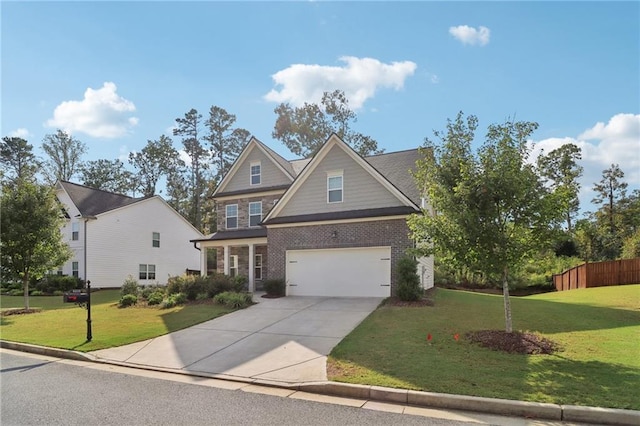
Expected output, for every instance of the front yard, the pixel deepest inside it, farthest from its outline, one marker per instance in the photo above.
(598, 365)
(63, 325)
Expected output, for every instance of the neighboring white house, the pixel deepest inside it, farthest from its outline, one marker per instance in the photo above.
(114, 236)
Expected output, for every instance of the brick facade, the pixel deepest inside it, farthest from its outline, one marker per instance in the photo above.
(243, 210)
(391, 232)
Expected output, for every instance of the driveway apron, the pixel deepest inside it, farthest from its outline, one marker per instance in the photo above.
(284, 340)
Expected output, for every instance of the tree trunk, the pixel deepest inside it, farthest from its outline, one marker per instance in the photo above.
(25, 286)
(507, 302)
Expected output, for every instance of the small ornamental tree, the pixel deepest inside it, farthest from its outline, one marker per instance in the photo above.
(489, 210)
(408, 287)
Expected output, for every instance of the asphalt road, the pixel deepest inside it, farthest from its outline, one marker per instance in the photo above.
(38, 390)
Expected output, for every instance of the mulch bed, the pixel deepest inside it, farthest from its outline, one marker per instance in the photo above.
(19, 311)
(515, 342)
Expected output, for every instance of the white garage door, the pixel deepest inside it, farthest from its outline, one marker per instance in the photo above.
(352, 272)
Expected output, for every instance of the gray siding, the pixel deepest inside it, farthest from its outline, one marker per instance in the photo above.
(360, 189)
(271, 174)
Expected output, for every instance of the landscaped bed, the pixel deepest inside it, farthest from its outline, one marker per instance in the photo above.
(595, 334)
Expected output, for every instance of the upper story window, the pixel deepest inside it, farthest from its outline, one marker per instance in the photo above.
(155, 239)
(334, 187)
(75, 231)
(232, 216)
(255, 213)
(256, 170)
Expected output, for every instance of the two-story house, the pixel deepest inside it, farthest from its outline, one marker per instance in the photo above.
(332, 225)
(113, 236)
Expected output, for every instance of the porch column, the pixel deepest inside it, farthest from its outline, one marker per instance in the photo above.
(252, 284)
(226, 259)
(203, 261)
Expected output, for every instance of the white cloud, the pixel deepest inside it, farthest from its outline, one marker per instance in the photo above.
(617, 142)
(102, 113)
(359, 78)
(471, 35)
(20, 133)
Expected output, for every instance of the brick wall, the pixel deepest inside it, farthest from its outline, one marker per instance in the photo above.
(394, 233)
(243, 209)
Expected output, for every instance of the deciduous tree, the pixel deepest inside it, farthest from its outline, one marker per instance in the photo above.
(107, 175)
(489, 210)
(64, 156)
(156, 160)
(304, 129)
(31, 241)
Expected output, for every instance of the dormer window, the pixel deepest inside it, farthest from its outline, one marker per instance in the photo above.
(334, 187)
(255, 173)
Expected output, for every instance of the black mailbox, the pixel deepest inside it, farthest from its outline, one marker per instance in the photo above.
(75, 298)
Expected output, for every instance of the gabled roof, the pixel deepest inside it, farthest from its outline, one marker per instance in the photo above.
(91, 201)
(395, 166)
(254, 143)
(386, 164)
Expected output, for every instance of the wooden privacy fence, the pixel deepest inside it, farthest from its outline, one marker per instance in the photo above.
(598, 274)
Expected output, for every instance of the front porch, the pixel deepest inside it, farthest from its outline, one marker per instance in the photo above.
(237, 253)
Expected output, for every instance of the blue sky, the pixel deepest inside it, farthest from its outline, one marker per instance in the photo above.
(116, 74)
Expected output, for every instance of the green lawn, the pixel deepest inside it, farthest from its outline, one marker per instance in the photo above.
(598, 329)
(64, 325)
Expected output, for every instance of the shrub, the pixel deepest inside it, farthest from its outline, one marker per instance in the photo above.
(218, 283)
(130, 287)
(50, 283)
(58, 293)
(173, 300)
(155, 298)
(240, 283)
(274, 287)
(233, 300)
(407, 280)
(190, 285)
(128, 300)
(16, 292)
(37, 293)
(180, 298)
(148, 290)
(174, 285)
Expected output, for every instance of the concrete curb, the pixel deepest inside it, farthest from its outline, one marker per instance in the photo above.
(505, 407)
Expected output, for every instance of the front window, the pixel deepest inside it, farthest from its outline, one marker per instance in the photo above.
(334, 188)
(147, 272)
(232, 216)
(155, 239)
(74, 269)
(255, 173)
(257, 269)
(233, 265)
(75, 231)
(255, 213)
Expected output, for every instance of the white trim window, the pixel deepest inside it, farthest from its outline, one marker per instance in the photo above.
(334, 187)
(255, 171)
(155, 239)
(233, 265)
(257, 267)
(147, 272)
(231, 216)
(74, 269)
(255, 213)
(75, 231)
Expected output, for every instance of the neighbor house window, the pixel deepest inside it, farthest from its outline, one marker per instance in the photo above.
(59, 271)
(75, 231)
(255, 173)
(232, 216)
(233, 265)
(257, 268)
(255, 213)
(334, 187)
(147, 272)
(74, 269)
(155, 239)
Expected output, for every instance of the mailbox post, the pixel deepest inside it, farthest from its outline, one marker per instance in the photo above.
(83, 300)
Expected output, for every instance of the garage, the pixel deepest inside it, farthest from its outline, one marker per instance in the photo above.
(345, 272)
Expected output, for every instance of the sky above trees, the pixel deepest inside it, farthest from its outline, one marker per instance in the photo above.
(116, 74)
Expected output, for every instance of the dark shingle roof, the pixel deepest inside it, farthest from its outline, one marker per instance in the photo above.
(395, 166)
(236, 234)
(349, 214)
(92, 202)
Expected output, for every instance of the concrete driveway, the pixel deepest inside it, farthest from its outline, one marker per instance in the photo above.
(281, 340)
